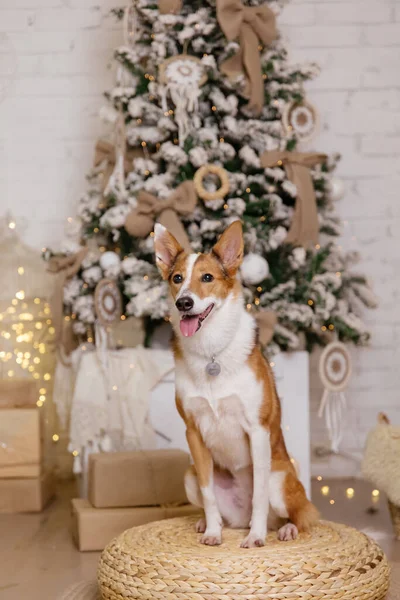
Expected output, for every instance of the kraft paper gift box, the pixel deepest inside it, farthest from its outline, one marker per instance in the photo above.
(93, 528)
(26, 495)
(18, 393)
(142, 478)
(20, 443)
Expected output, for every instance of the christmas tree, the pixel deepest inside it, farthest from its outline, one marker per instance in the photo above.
(210, 124)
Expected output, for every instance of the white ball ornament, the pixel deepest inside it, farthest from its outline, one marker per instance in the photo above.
(109, 260)
(254, 269)
(336, 188)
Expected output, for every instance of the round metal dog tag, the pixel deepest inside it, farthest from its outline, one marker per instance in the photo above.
(213, 368)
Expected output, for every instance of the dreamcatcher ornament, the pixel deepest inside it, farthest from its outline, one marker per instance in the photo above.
(302, 119)
(107, 302)
(335, 371)
(181, 77)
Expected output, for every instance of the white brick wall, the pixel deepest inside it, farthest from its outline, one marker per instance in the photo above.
(49, 124)
(357, 44)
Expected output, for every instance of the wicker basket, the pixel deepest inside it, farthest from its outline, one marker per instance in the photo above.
(165, 561)
(395, 514)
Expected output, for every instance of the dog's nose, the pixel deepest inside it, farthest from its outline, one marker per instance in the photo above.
(184, 304)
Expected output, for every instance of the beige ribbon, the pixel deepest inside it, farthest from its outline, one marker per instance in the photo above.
(65, 267)
(166, 7)
(251, 25)
(266, 321)
(304, 229)
(105, 151)
(181, 202)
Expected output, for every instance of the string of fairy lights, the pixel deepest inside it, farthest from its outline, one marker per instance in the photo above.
(349, 492)
(27, 338)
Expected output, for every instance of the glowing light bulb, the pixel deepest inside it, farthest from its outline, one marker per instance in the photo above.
(55, 437)
(331, 502)
(20, 295)
(350, 492)
(75, 453)
(325, 490)
(11, 225)
(21, 270)
(47, 376)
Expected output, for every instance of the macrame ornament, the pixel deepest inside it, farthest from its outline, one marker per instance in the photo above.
(107, 302)
(130, 25)
(334, 371)
(211, 170)
(302, 119)
(105, 158)
(116, 181)
(304, 229)
(167, 211)
(181, 78)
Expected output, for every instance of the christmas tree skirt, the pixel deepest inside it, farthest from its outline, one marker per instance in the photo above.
(165, 561)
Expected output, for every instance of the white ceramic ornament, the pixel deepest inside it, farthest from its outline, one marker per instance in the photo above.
(336, 188)
(109, 259)
(302, 119)
(254, 269)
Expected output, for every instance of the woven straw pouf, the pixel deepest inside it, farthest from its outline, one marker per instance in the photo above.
(165, 561)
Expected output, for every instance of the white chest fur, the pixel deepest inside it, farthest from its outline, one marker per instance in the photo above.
(225, 407)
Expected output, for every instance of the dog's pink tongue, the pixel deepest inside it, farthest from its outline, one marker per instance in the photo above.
(189, 326)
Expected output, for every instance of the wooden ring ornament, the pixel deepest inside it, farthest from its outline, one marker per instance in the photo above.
(211, 170)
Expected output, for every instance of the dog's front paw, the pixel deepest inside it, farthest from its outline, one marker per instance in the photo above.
(288, 533)
(253, 540)
(211, 538)
(200, 526)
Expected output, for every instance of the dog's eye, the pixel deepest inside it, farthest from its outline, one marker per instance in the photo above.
(207, 278)
(177, 278)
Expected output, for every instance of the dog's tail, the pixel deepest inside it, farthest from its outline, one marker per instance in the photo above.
(302, 512)
(305, 516)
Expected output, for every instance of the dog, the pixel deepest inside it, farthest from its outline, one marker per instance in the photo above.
(225, 393)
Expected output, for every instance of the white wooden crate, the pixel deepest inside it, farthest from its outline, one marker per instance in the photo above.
(292, 380)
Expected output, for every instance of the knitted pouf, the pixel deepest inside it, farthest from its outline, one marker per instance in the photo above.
(165, 561)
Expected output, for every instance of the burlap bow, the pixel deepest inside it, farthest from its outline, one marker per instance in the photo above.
(266, 321)
(181, 202)
(304, 229)
(105, 151)
(65, 267)
(250, 25)
(166, 7)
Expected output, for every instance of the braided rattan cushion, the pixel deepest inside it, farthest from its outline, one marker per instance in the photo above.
(165, 561)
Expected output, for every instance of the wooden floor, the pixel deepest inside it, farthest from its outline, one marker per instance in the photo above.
(38, 559)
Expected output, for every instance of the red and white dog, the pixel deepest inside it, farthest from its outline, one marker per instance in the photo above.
(225, 393)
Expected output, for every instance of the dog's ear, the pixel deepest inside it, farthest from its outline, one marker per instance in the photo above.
(167, 249)
(229, 248)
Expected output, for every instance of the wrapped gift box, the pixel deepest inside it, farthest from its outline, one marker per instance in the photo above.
(93, 528)
(26, 495)
(17, 393)
(142, 478)
(20, 442)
